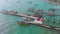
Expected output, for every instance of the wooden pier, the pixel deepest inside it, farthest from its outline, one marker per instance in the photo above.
(22, 15)
(17, 14)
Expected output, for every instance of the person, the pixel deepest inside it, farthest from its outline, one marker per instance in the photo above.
(39, 17)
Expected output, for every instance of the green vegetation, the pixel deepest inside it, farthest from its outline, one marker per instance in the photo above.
(55, 1)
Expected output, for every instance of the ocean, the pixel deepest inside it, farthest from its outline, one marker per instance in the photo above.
(8, 23)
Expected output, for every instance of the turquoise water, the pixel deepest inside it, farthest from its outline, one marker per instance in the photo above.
(8, 23)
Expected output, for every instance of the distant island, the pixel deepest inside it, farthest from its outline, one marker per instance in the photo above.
(57, 2)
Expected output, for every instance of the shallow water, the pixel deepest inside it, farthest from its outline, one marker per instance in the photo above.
(8, 23)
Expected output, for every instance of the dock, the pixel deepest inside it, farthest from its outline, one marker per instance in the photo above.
(43, 25)
(22, 15)
(17, 14)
